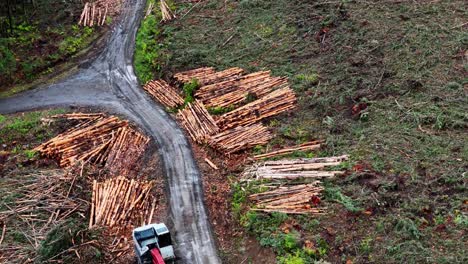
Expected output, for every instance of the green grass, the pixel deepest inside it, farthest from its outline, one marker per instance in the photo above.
(404, 64)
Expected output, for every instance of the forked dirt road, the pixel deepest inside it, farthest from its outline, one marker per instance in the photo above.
(109, 82)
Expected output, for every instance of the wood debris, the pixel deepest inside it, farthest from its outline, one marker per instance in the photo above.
(166, 12)
(188, 76)
(121, 202)
(235, 91)
(291, 169)
(95, 13)
(303, 147)
(98, 139)
(206, 76)
(239, 138)
(278, 101)
(164, 93)
(298, 199)
(197, 121)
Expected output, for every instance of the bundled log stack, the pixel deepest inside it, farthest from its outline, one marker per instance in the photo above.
(166, 12)
(303, 147)
(164, 93)
(293, 169)
(122, 202)
(298, 199)
(240, 138)
(206, 76)
(95, 13)
(198, 122)
(188, 76)
(97, 139)
(235, 91)
(278, 101)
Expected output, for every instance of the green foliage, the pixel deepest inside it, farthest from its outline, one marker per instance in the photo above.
(189, 90)
(2, 118)
(7, 60)
(335, 194)
(74, 43)
(407, 227)
(30, 154)
(219, 110)
(59, 239)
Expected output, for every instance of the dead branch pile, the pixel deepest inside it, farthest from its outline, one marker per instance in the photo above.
(306, 146)
(97, 139)
(188, 76)
(235, 91)
(206, 76)
(43, 200)
(122, 202)
(293, 169)
(299, 199)
(164, 93)
(197, 121)
(166, 12)
(276, 102)
(95, 13)
(241, 137)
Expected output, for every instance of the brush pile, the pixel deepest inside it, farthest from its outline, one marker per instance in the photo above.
(166, 12)
(164, 93)
(292, 169)
(95, 13)
(198, 122)
(122, 202)
(303, 147)
(297, 199)
(97, 139)
(236, 91)
(42, 201)
(240, 138)
(278, 101)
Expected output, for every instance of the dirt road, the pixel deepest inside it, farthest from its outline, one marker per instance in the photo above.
(109, 82)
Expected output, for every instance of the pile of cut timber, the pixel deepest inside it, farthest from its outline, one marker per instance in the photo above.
(166, 11)
(278, 101)
(164, 93)
(122, 202)
(298, 199)
(97, 139)
(235, 91)
(95, 13)
(293, 169)
(306, 146)
(207, 75)
(241, 137)
(198, 122)
(188, 76)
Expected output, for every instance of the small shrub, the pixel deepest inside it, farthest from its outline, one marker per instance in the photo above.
(334, 194)
(189, 90)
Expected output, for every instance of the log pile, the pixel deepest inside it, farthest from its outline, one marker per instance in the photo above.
(198, 122)
(122, 202)
(278, 101)
(206, 76)
(95, 13)
(166, 12)
(188, 76)
(235, 91)
(98, 139)
(294, 169)
(303, 147)
(164, 93)
(240, 138)
(298, 199)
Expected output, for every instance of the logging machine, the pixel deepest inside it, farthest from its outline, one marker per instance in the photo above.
(153, 244)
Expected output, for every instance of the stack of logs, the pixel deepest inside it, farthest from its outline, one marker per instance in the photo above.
(278, 101)
(95, 13)
(97, 139)
(303, 147)
(293, 169)
(166, 12)
(198, 122)
(164, 93)
(122, 202)
(298, 199)
(240, 138)
(236, 91)
(207, 75)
